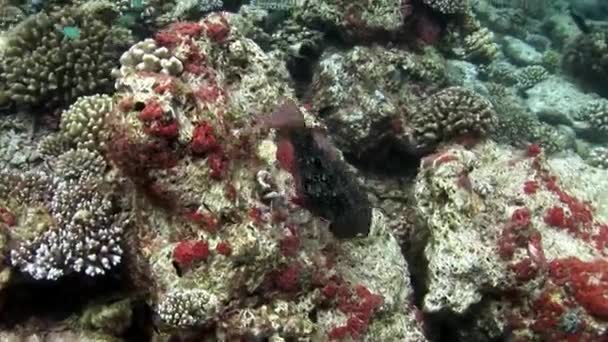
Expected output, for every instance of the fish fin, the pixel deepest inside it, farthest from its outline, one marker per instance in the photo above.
(286, 116)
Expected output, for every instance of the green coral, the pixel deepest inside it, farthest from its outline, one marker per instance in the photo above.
(43, 67)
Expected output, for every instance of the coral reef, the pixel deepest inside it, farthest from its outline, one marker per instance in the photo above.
(235, 228)
(73, 233)
(528, 225)
(44, 64)
(447, 6)
(452, 112)
(599, 157)
(82, 124)
(359, 93)
(394, 170)
(595, 117)
(585, 58)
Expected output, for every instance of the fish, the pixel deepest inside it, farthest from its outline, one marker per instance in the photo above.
(71, 32)
(323, 182)
(578, 19)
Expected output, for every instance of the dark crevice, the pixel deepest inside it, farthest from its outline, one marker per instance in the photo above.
(53, 301)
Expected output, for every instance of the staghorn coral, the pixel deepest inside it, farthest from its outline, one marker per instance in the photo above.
(43, 66)
(82, 124)
(452, 112)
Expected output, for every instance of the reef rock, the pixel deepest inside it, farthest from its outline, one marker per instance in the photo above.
(516, 241)
(235, 253)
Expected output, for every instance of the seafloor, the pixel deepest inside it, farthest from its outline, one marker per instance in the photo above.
(303, 170)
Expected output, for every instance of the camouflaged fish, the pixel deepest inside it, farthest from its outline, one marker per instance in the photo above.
(323, 182)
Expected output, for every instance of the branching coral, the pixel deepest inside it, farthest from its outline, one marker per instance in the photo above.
(148, 56)
(587, 58)
(83, 229)
(52, 59)
(187, 307)
(599, 157)
(452, 112)
(82, 124)
(468, 39)
(447, 6)
(595, 114)
(529, 76)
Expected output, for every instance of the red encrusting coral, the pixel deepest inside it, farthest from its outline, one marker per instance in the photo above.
(290, 243)
(257, 216)
(189, 29)
(533, 150)
(7, 217)
(177, 33)
(530, 187)
(209, 93)
(206, 220)
(137, 158)
(223, 248)
(217, 30)
(524, 270)
(218, 165)
(204, 139)
(287, 278)
(359, 304)
(188, 252)
(151, 112)
(514, 233)
(588, 281)
(555, 217)
(156, 123)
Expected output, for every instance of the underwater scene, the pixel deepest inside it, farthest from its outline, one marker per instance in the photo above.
(303, 170)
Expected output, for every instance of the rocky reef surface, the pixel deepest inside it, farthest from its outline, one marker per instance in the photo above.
(429, 170)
